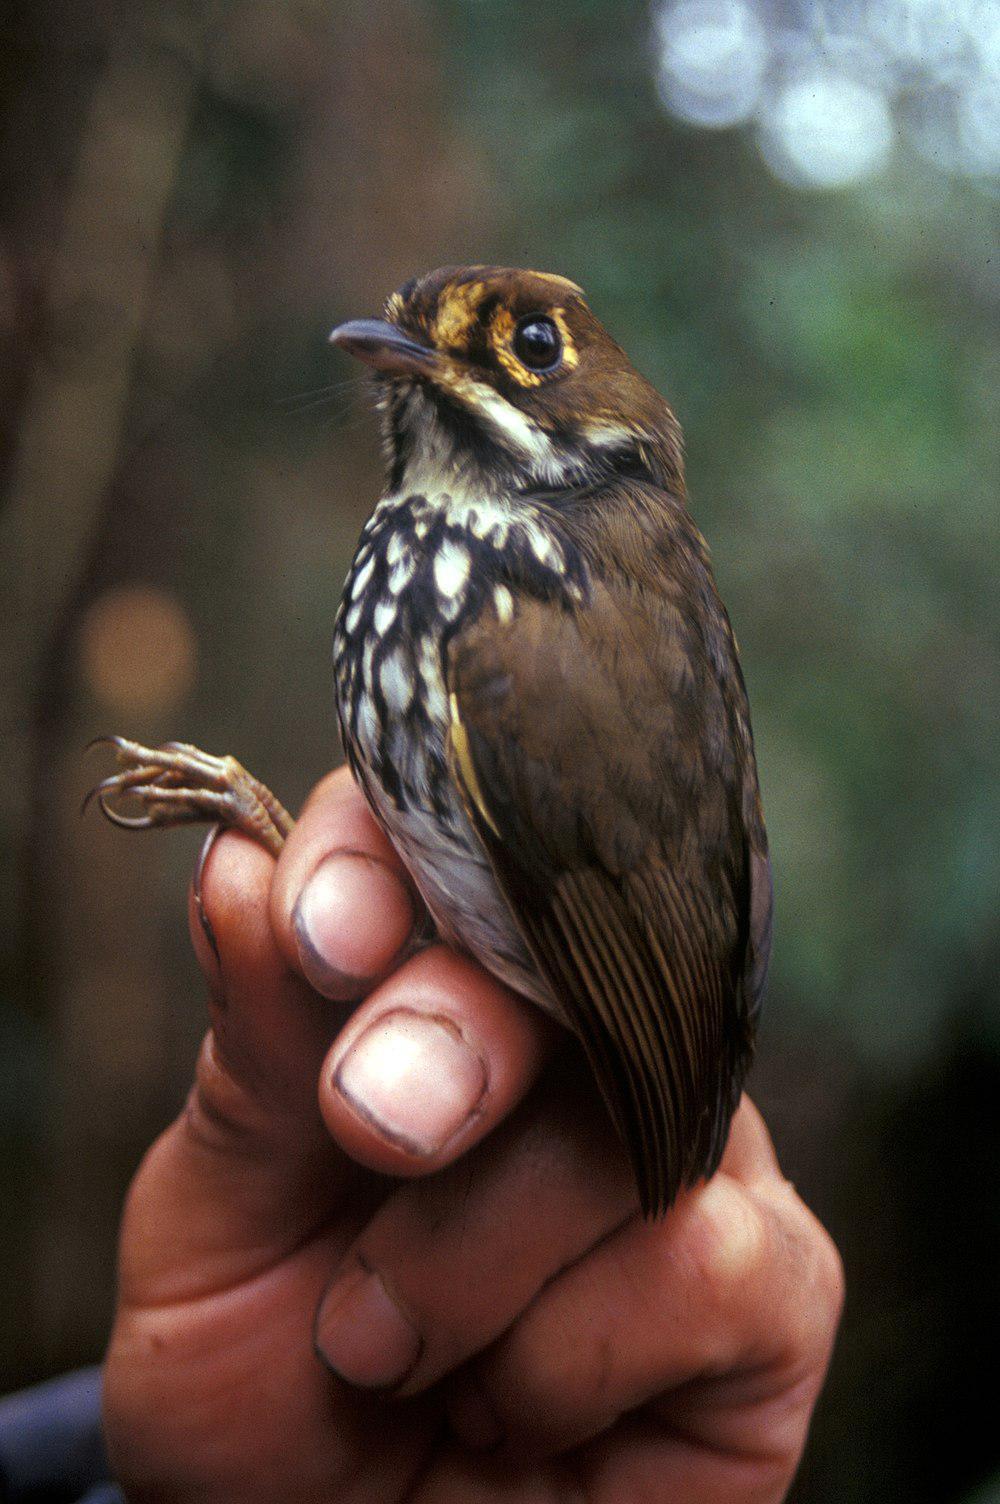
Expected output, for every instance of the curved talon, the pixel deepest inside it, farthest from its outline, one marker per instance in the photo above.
(182, 805)
(120, 743)
(119, 783)
(106, 739)
(124, 822)
(178, 784)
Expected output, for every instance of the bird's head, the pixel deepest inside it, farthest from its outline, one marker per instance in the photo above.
(504, 378)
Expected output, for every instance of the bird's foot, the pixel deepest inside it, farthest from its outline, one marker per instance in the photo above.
(178, 784)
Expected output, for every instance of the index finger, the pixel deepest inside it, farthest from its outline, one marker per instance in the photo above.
(343, 908)
(438, 1051)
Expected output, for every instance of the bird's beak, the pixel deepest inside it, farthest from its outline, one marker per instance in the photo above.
(384, 347)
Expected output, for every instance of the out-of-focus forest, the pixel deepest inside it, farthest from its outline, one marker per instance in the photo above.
(787, 213)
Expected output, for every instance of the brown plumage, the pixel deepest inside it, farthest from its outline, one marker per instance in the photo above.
(616, 795)
(540, 694)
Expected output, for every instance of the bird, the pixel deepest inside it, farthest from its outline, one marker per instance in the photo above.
(540, 695)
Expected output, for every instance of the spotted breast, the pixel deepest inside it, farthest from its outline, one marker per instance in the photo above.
(425, 567)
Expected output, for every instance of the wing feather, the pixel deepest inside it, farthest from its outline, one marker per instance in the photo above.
(637, 920)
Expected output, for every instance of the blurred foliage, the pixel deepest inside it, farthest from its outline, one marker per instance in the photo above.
(834, 359)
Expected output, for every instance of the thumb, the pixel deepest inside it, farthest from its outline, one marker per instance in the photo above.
(247, 1171)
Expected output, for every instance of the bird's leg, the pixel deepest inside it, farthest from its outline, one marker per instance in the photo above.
(177, 784)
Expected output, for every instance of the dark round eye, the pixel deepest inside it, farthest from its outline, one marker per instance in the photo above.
(538, 343)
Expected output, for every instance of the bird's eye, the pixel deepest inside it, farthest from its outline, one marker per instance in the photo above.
(538, 343)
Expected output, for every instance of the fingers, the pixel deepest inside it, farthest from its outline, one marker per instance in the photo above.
(728, 1308)
(437, 1055)
(637, 1460)
(430, 1064)
(270, 1032)
(439, 1052)
(448, 1263)
(343, 909)
(248, 1168)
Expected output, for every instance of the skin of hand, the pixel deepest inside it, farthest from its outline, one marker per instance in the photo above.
(390, 1249)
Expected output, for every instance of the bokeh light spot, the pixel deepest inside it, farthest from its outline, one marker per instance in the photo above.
(832, 85)
(138, 649)
(713, 55)
(825, 130)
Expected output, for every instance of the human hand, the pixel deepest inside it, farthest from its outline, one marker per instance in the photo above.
(493, 1323)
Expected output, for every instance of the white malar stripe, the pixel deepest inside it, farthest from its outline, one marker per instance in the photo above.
(535, 445)
(451, 569)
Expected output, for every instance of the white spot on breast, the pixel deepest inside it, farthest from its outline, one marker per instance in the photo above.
(385, 615)
(367, 659)
(395, 549)
(545, 550)
(401, 574)
(451, 569)
(361, 579)
(432, 680)
(367, 721)
(504, 603)
(353, 617)
(396, 682)
(486, 519)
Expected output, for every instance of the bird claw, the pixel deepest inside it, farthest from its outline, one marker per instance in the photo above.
(178, 784)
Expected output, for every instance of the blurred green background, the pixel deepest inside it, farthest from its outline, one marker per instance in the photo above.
(788, 215)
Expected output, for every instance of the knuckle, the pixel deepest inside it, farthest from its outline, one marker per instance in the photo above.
(219, 1113)
(814, 1281)
(226, 1111)
(728, 1239)
(830, 1276)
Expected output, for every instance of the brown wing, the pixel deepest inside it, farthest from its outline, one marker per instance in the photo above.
(600, 760)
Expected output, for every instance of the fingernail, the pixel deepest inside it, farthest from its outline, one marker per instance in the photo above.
(197, 886)
(353, 916)
(362, 1334)
(413, 1078)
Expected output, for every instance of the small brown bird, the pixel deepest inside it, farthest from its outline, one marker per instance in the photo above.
(540, 694)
